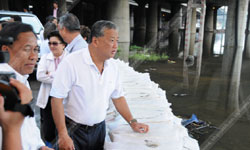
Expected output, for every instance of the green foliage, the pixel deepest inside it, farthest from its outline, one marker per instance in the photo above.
(149, 57)
(135, 48)
(145, 54)
(119, 49)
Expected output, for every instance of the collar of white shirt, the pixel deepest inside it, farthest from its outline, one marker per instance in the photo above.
(22, 78)
(88, 59)
(70, 46)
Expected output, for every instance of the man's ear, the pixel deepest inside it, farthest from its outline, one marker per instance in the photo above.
(95, 41)
(4, 48)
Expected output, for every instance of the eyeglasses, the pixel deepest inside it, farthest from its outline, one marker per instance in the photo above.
(54, 43)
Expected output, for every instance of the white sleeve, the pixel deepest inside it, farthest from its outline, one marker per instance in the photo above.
(42, 70)
(63, 81)
(1, 136)
(118, 92)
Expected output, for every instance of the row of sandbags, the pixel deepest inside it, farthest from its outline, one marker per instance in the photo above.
(148, 104)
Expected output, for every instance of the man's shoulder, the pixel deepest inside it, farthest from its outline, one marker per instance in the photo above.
(75, 56)
(21, 78)
(81, 42)
(3, 64)
(112, 61)
(4, 67)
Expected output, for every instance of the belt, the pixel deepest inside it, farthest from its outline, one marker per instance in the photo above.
(83, 126)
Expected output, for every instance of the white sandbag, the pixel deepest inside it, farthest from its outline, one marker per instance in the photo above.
(148, 103)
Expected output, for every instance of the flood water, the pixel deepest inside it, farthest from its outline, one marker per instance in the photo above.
(208, 100)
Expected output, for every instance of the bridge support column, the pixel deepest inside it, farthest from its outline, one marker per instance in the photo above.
(118, 12)
(193, 32)
(175, 38)
(248, 36)
(152, 24)
(140, 24)
(209, 29)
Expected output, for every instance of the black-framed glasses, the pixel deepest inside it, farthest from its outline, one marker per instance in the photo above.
(54, 43)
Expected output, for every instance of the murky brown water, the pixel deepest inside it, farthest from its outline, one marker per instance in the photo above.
(208, 100)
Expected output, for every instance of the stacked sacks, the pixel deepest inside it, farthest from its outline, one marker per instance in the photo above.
(149, 105)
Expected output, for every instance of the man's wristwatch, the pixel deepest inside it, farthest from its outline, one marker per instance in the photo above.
(132, 121)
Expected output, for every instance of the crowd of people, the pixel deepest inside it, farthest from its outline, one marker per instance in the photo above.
(78, 78)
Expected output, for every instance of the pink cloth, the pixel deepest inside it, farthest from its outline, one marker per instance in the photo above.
(55, 12)
(57, 61)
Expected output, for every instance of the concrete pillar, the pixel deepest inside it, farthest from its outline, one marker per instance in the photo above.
(4, 5)
(209, 29)
(118, 12)
(229, 46)
(193, 32)
(152, 24)
(132, 24)
(140, 24)
(229, 49)
(214, 25)
(63, 6)
(159, 30)
(247, 55)
(174, 37)
(236, 72)
(99, 10)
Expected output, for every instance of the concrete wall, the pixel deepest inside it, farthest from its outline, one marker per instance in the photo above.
(118, 12)
(152, 24)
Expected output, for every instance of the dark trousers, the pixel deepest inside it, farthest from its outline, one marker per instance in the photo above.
(48, 128)
(87, 137)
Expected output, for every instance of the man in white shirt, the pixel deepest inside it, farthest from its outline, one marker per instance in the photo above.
(90, 78)
(23, 56)
(69, 29)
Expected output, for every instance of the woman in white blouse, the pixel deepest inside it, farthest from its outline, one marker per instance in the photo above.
(45, 74)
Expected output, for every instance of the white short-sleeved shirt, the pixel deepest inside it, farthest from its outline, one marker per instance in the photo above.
(86, 91)
(30, 133)
(76, 44)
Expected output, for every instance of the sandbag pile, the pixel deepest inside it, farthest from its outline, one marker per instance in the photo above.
(148, 104)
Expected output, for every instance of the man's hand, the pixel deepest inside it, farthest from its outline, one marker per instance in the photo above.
(122, 107)
(25, 94)
(9, 119)
(139, 127)
(11, 123)
(65, 142)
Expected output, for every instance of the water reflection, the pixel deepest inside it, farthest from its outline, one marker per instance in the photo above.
(208, 99)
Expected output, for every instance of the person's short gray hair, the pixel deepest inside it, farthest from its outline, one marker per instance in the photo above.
(98, 28)
(70, 22)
